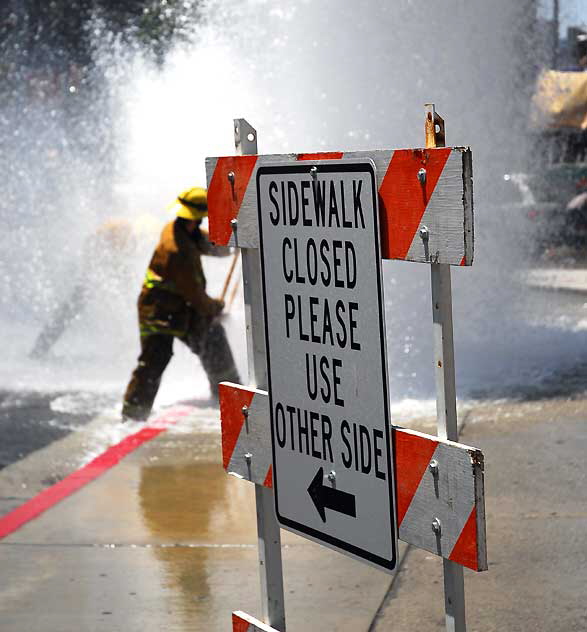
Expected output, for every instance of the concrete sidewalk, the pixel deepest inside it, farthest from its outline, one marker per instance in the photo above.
(167, 541)
(558, 279)
(536, 504)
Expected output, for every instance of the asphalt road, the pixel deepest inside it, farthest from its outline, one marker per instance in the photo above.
(31, 420)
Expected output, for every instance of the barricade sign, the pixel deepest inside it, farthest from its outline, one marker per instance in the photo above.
(427, 471)
(314, 424)
(326, 360)
(429, 187)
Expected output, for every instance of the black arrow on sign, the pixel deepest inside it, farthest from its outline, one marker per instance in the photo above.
(325, 497)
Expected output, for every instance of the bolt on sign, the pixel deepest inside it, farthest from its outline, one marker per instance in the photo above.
(325, 339)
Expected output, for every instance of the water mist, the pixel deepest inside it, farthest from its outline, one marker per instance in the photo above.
(334, 75)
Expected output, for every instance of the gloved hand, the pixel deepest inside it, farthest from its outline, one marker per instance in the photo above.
(218, 306)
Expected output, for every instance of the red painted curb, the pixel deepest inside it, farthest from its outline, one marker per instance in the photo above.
(52, 495)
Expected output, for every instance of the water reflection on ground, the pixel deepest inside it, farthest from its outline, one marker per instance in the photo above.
(204, 517)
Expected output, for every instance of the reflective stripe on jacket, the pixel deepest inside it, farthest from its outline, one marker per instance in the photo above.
(152, 279)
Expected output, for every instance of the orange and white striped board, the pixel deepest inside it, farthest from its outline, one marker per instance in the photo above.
(440, 491)
(242, 622)
(425, 200)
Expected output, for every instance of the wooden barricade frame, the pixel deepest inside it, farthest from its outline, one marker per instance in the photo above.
(426, 215)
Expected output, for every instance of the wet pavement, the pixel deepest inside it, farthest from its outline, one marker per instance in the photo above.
(30, 420)
(166, 540)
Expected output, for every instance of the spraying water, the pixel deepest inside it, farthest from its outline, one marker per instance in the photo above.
(334, 75)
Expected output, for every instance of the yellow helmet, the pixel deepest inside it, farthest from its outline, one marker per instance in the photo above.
(116, 235)
(191, 204)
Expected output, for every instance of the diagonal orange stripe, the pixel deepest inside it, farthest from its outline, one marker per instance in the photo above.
(412, 456)
(268, 482)
(238, 624)
(225, 196)
(232, 400)
(324, 155)
(465, 549)
(403, 198)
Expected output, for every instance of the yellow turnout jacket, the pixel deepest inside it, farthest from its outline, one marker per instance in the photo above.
(173, 297)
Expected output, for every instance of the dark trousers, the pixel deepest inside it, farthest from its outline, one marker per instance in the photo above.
(211, 346)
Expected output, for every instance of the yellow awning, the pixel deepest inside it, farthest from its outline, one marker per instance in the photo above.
(560, 100)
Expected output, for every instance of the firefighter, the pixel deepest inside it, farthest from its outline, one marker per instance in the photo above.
(173, 304)
(105, 264)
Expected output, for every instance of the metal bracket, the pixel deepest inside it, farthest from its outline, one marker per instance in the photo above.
(434, 127)
(245, 137)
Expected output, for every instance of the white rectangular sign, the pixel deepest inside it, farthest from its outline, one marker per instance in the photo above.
(325, 335)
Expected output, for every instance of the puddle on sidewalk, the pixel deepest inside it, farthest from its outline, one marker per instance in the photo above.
(205, 522)
(196, 503)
